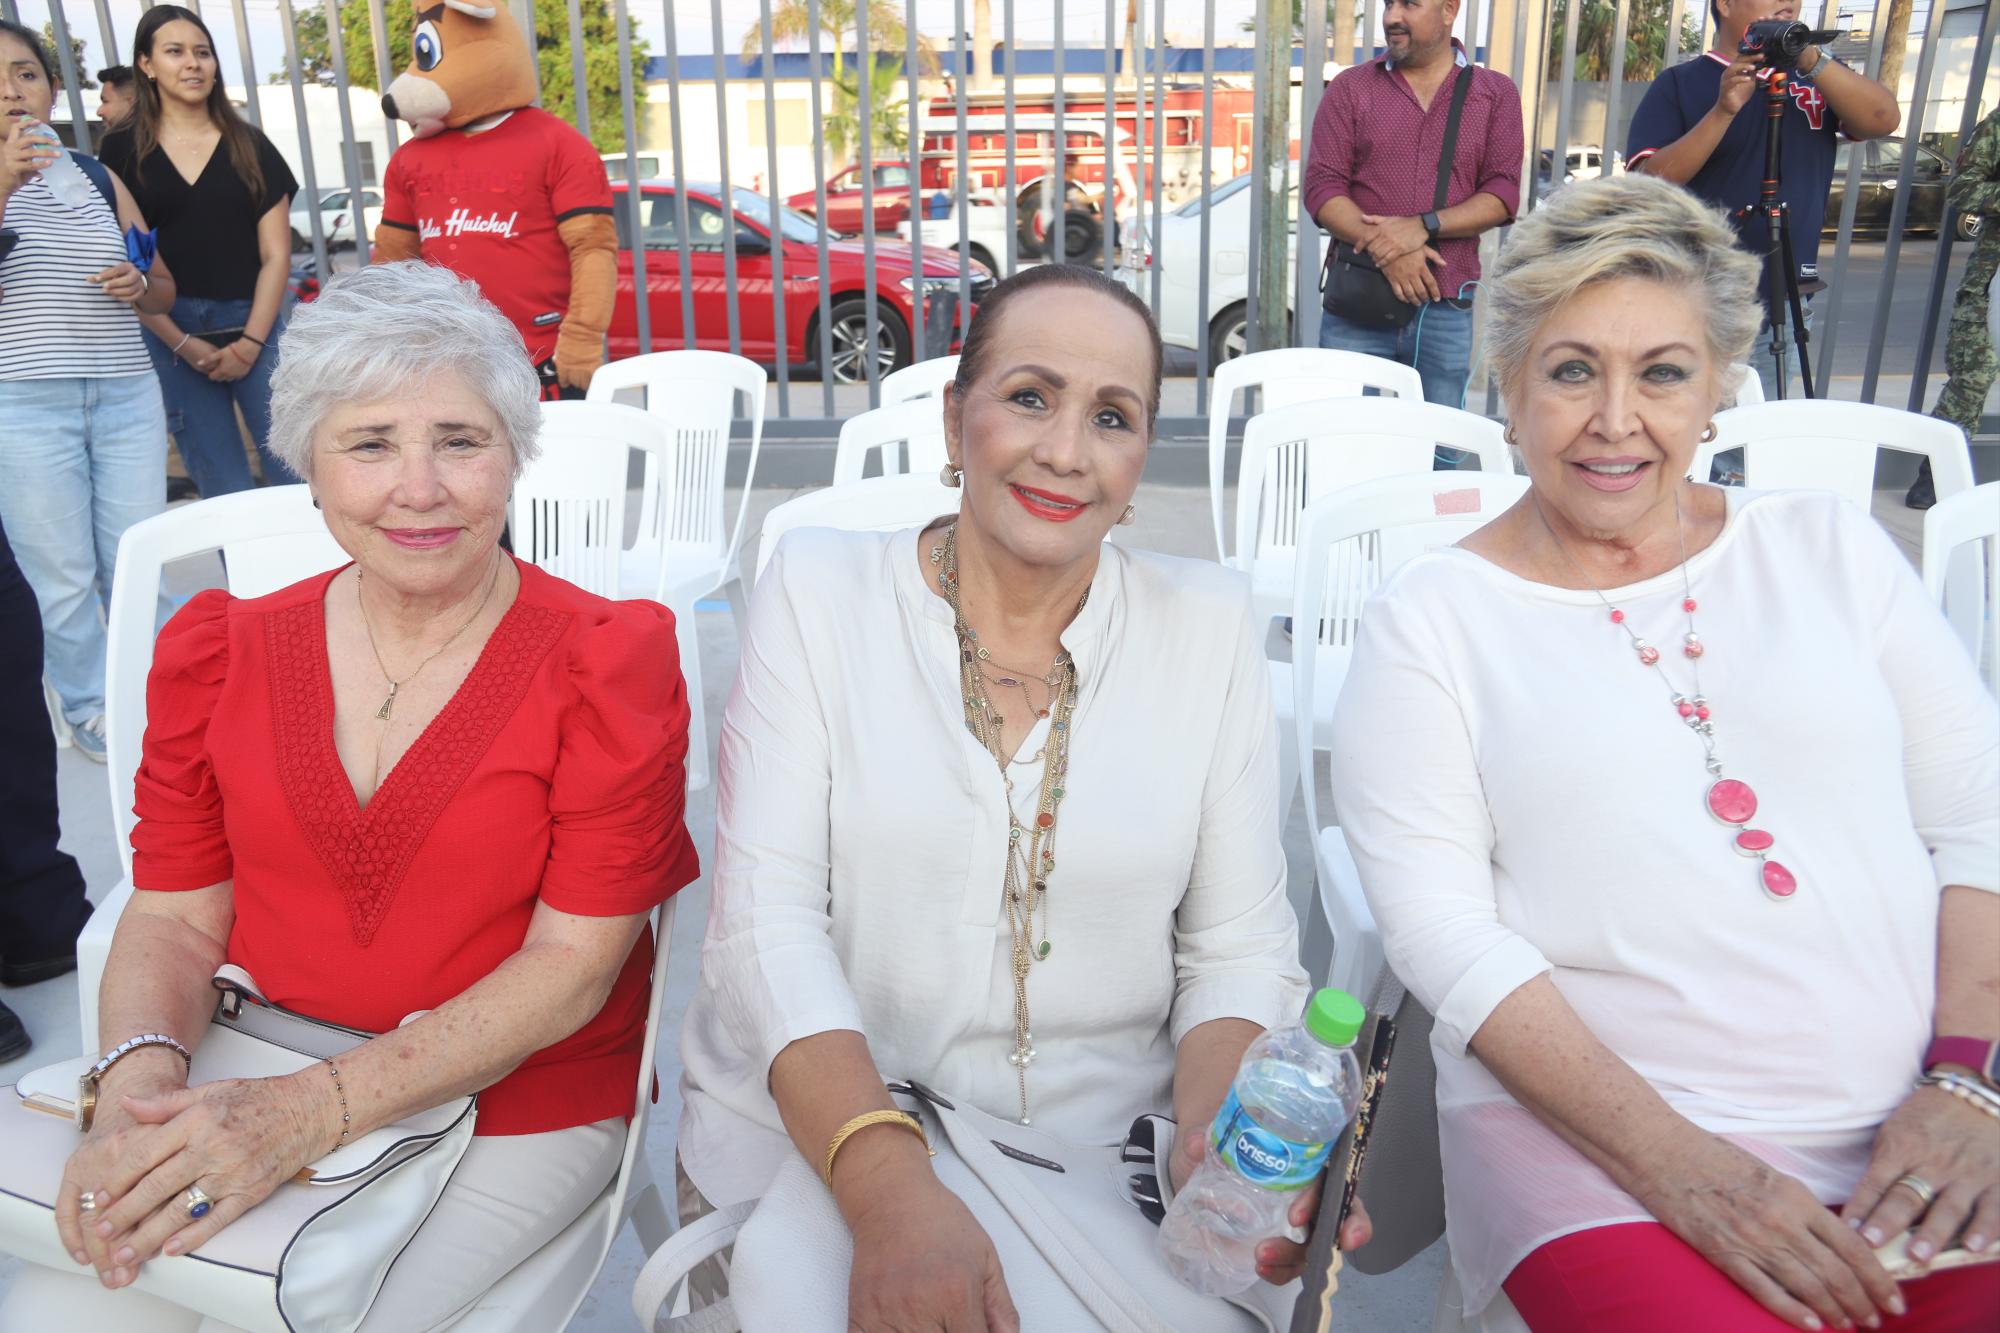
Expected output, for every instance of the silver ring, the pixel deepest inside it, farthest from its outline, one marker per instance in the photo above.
(86, 1202)
(1918, 1186)
(197, 1203)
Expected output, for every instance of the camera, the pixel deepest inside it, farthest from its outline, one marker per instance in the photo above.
(1781, 42)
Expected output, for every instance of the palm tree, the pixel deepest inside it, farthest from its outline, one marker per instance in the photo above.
(791, 24)
(888, 128)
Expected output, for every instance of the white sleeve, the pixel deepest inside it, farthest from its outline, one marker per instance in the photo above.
(768, 955)
(1407, 790)
(1236, 938)
(1951, 730)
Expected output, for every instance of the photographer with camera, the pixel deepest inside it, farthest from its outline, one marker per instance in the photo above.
(1701, 125)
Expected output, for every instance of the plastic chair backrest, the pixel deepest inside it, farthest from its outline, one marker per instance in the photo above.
(1969, 517)
(1284, 376)
(1749, 386)
(877, 504)
(269, 539)
(924, 379)
(694, 393)
(1294, 455)
(567, 515)
(1814, 444)
(1349, 542)
(909, 436)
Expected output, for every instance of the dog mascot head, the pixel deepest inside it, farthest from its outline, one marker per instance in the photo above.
(469, 61)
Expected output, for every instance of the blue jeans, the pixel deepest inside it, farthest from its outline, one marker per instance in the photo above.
(81, 460)
(1438, 342)
(201, 413)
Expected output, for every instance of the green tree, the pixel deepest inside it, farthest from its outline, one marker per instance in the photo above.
(791, 25)
(1645, 39)
(552, 57)
(888, 118)
(76, 47)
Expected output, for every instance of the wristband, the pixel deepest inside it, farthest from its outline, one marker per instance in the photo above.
(1979, 1055)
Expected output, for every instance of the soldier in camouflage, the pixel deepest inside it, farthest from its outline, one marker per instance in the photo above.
(1969, 358)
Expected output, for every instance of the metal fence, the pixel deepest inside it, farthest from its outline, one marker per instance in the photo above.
(1144, 100)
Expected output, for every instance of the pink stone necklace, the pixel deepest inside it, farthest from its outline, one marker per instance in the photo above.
(1729, 800)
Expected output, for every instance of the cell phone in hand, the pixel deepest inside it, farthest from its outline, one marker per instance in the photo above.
(1314, 1311)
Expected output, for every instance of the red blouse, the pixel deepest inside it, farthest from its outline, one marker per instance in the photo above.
(554, 774)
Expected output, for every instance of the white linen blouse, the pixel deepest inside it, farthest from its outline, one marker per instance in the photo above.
(1522, 799)
(861, 835)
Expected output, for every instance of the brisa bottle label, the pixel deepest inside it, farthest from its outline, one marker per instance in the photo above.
(1260, 1156)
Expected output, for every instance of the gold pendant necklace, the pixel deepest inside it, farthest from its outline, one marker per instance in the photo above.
(389, 701)
(1030, 848)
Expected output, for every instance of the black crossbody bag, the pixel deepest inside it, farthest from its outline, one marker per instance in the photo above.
(1350, 284)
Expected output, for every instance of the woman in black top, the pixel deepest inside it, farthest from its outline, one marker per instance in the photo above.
(220, 196)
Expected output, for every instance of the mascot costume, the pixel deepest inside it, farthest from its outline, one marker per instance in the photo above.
(500, 191)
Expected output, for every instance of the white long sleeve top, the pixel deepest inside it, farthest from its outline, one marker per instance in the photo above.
(861, 837)
(1522, 799)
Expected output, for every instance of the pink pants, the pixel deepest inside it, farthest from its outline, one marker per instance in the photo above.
(1638, 1277)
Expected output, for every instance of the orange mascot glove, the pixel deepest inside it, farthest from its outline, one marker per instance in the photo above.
(592, 239)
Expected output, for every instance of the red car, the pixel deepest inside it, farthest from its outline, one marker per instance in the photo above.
(801, 243)
(843, 198)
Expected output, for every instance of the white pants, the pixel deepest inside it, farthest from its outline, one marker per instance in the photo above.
(509, 1197)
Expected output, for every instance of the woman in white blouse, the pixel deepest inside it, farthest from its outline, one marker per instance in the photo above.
(1107, 941)
(1678, 809)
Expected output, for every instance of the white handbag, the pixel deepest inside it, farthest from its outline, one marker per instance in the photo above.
(308, 1259)
(1077, 1250)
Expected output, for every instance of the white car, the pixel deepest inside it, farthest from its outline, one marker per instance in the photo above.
(337, 218)
(1177, 253)
(986, 226)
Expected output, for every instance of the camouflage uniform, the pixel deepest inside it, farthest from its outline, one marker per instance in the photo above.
(1969, 357)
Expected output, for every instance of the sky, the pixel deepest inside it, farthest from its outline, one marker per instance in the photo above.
(1034, 21)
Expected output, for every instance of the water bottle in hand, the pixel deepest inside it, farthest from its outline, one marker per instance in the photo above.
(63, 176)
(1296, 1090)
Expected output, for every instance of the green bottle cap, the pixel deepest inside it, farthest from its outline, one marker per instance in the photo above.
(1335, 1017)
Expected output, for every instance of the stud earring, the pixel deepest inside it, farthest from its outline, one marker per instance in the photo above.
(315, 502)
(1125, 519)
(950, 476)
(1708, 436)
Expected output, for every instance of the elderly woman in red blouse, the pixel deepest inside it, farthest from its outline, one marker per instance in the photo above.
(434, 779)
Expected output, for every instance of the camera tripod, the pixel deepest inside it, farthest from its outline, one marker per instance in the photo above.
(1781, 270)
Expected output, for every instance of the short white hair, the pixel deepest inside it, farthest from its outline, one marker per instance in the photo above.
(1630, 226)
(385, 327)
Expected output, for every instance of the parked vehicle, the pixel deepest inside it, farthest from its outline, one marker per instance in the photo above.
(339, 220)
(891, 198)
(1177, 253)
(899, 276)
(614, 165)
(987, 223)
(1881, 162)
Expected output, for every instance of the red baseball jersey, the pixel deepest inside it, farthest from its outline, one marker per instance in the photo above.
(487, 206)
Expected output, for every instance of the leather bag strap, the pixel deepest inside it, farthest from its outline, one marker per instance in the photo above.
(1460, 90)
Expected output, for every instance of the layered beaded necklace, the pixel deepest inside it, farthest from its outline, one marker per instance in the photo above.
(1031, 855)
(1730, 800)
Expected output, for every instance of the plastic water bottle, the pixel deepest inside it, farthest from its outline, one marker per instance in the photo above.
(63, 176)
(1296, 1090)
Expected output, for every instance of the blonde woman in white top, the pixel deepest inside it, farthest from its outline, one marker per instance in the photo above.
(869, 901)
(1679, 809)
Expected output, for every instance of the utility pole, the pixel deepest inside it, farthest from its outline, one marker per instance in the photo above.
(1270, 157)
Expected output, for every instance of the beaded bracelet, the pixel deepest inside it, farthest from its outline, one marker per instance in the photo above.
(340, 1092)
(1965, 1089)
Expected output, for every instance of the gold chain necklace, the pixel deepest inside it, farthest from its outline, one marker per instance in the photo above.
(389, 702)
(1031, 856)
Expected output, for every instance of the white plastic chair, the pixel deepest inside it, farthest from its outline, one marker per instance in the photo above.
(1969, 517)
(877, 504)
(268, 539)
(1284, 376)
(923, 379)
(681, 501)
(1292, 455)
(1349, 542)
(909, 437)
(1814, 444)
(1749, 386)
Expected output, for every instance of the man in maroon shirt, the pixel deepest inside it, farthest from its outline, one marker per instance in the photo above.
(1371, 179)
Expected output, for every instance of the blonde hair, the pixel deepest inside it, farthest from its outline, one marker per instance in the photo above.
(1631, 226)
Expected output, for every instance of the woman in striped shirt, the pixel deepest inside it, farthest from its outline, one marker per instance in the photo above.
(83, 439)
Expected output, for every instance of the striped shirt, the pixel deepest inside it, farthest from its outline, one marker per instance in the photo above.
(53, 323)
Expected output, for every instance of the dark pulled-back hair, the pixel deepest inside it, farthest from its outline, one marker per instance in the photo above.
(31, 39)
(118, 76)
(145, 122)
(976, 351)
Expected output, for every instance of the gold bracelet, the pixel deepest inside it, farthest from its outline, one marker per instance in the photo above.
(863, 1121)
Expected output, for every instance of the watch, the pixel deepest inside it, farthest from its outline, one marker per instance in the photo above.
(1431, 225)
(86, 1083)
(1978, 1054)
